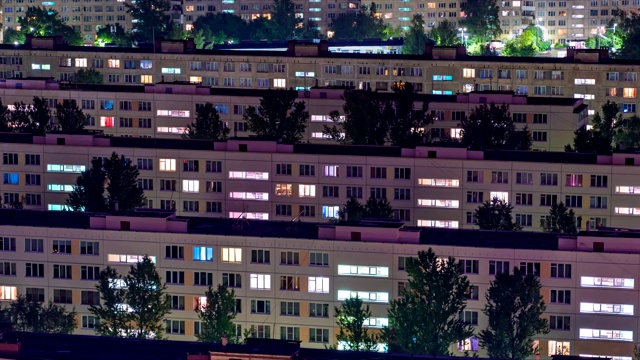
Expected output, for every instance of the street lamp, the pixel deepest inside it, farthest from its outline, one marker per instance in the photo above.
(598, 38)
(464, 42)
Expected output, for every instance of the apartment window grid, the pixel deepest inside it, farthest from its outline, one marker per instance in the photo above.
(174, 277)
(559, 322)
(89, 272)
(174, 252)
(549, 179)
(530, 268)
(469, 266)
(560, 297)
(559, 270)
(498, 267)
(202, 278)
(61, 247)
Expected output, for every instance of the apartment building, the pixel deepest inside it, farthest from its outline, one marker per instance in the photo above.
(585, 74)
(288, 276)
(164, 110)
(245, 178)
(563, 22)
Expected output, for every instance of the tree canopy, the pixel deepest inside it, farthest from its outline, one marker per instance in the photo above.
(481, 19)
(353, 211)
(529, 43)
(34, 316)
(152, 19)
(119, 176)
(514, 306)
(415, 38)
(445, 34)
(492, 127)
(283, 21)
(495, 214)
(361, 24)
(113, 34)
(70, 119)
(353, 335)
(425, 319)
(627, 35)
(600, 138)
(87, 76)
(34, 118)
(560, 220)
(216, 315)
(279, 117)
(40, 21)
(207, 125)
(134, 305)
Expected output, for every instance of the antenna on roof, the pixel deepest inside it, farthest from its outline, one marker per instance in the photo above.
(242, 218)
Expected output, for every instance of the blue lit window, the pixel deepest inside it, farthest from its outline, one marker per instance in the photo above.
(442, 77)
(222, 109)
(201, 253)
(627, 108)
(106, 104)
(10, 178)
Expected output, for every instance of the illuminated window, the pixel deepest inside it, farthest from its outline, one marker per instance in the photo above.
(500, 195)
(283, 190)
(615, 309)
(60, 187)
(202, 253)
(306, 190)
(249, 175)
(106, 121)
(146, 79)
(361, 270)
(174, 113)
(318, 284)
(192, 186)
(113, 63)
(66, 168)
(452, 204)
(589, 281)
(231, 255)
(8, 293)
(629, 92)
(559, 348)
(469, 73)
(380, 297)
(439, 182)
(195, 79)
(617, 335)
(176, 71)
(279, 83)
(260, 282)
(627, 189)
(128, 259)
(450, 224)
(584, 81)
(167, 164)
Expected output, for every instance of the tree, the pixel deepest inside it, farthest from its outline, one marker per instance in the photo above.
(283, 22)
(122, 191)
(496, 215)
(216, 314)
(492, 127)
(425, 319)
(406, 125)
(582, 141)
(40, 21)
(5, 117)
(529, 43)
(481, 19)
(32, 119)
(364, 121)
(134, 305)
(628, 35)
(147, 298)
(220, 27)
(603, 127)
(70, 118)
(352, 211)
(359, 25)
(378, 208)
(353, 335)
(88, 76)
(279, 117)
(113, 34)
(560, 220)
(13, 36)
(207, 125)
(34, 316)
(445, 34)
(151, 19)
(415, 39)
(113, 317)
(514, 307)
(309, 30)
(627, 133)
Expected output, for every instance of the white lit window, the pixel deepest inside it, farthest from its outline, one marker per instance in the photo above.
(452, 204)
(376, 322)
(81, 62)
(306, 190)
(113, 63)
(192, 186)
(167, 164)
(627, 189)
(362, 270)
(128, 259)
(331, 170)
(589, 281)
(559, 348)
(584, 81)
(279, 83)
(310, 74)
(231, 255)
(174, 113)
(260, 282)
(330, 212)
(439, 182)
(40, 67)
(380, 297)
(627, 211)
(619, 335)
(60, 207)
(501, 195)
(248, 215)
(616, 309)
(607, 356)
(60, 187)
(456, 133)
(321, 135)
(451, 224)
(249, 175)
(8, 293)
(171, 130)
(249, 195)
(325, 118)
(318, 284)
(171, 70)
(469, 73)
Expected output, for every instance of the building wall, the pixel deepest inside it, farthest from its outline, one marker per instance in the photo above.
(385, 256)
(441, 192)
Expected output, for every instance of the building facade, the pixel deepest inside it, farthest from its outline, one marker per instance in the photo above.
(288, 276)
(585, 74)
(244, 178)
(164, 110)
(562, 22)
